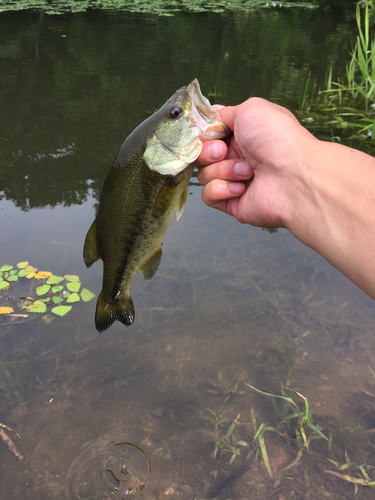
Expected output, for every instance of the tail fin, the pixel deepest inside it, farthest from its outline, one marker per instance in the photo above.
(109, 312)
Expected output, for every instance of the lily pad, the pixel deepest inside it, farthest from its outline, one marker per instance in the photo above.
(6, 310)
(14, 277)
(41, 290)
(61, 310)
(56, 289)
(23, 272)
(4, 284)
(71, 277)
(73, 287)
(38, 307)
(6, 268)
(73, 297)
(86, 295)
(42, 275)
(22, 265)
(57, 300)
(53, 280)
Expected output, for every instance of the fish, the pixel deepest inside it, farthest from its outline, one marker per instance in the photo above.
(146, 185)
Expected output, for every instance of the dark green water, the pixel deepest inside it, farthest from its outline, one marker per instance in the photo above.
(128, 417)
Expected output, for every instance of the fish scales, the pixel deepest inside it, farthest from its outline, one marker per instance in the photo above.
(147, 183)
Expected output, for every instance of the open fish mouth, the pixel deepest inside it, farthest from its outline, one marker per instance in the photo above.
(204, 116)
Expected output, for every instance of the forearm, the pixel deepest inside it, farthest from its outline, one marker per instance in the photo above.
(334, 209)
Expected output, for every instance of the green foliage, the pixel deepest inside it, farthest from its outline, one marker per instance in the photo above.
(335, 4)
(160, 7)
(57, 288)
(348, 105)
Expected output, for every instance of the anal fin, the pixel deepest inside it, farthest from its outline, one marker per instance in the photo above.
(149, 268)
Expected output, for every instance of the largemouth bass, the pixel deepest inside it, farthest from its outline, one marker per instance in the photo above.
(147, 183)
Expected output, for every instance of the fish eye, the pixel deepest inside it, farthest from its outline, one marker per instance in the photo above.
(175, 112)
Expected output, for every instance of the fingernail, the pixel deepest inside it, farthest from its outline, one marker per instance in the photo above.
(242, 168)
(215, 150)
(236, 187)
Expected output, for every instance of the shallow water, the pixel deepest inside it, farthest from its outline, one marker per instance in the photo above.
(127, 414)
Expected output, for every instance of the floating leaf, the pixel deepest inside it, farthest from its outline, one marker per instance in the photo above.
(71, 277)
(42, 275)
(73, 287)
(53, 280)
(6, 310)
(30, 275)
(87, 295)
(31, 269)
(73, 297)
(57, 288)
(61, 310)
(4, 285)
(22, 265)
(57, 300)
(6, 268)
(48, 318)
(41, 290)
(38, 307)
(22, 273)
(13, 278)
(13, 272)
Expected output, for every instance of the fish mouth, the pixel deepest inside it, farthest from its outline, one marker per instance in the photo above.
(204, 116)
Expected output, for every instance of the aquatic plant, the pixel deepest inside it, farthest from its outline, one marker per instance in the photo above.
(348, 105)
(61, 291)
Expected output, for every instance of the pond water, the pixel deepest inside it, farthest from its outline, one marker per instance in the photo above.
(135, 412)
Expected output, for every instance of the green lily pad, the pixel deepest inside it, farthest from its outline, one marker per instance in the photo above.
(56, 289)
(53, 280)
(38, 307)
(4, 284)
(13, 271)
(23, 273)
(61, 310)
(57, 300)
(71, 277)
(86, 295)
(73, 297)
(41, 290)
(73, 287)
(12, 278)
(6, 268)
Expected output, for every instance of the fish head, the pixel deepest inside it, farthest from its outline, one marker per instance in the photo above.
(184, 122)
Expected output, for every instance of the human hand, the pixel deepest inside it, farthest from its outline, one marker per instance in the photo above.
(255, 176)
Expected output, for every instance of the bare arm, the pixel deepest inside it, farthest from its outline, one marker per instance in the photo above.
(276, 174)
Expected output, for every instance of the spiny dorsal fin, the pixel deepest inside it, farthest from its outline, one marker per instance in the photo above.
(149, 268)
(182, 202)
(90, 249)
(165, 198)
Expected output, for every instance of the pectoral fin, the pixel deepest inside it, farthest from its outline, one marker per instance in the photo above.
(149, 268)
(165, 198)
(182, 202)
(90, 249)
